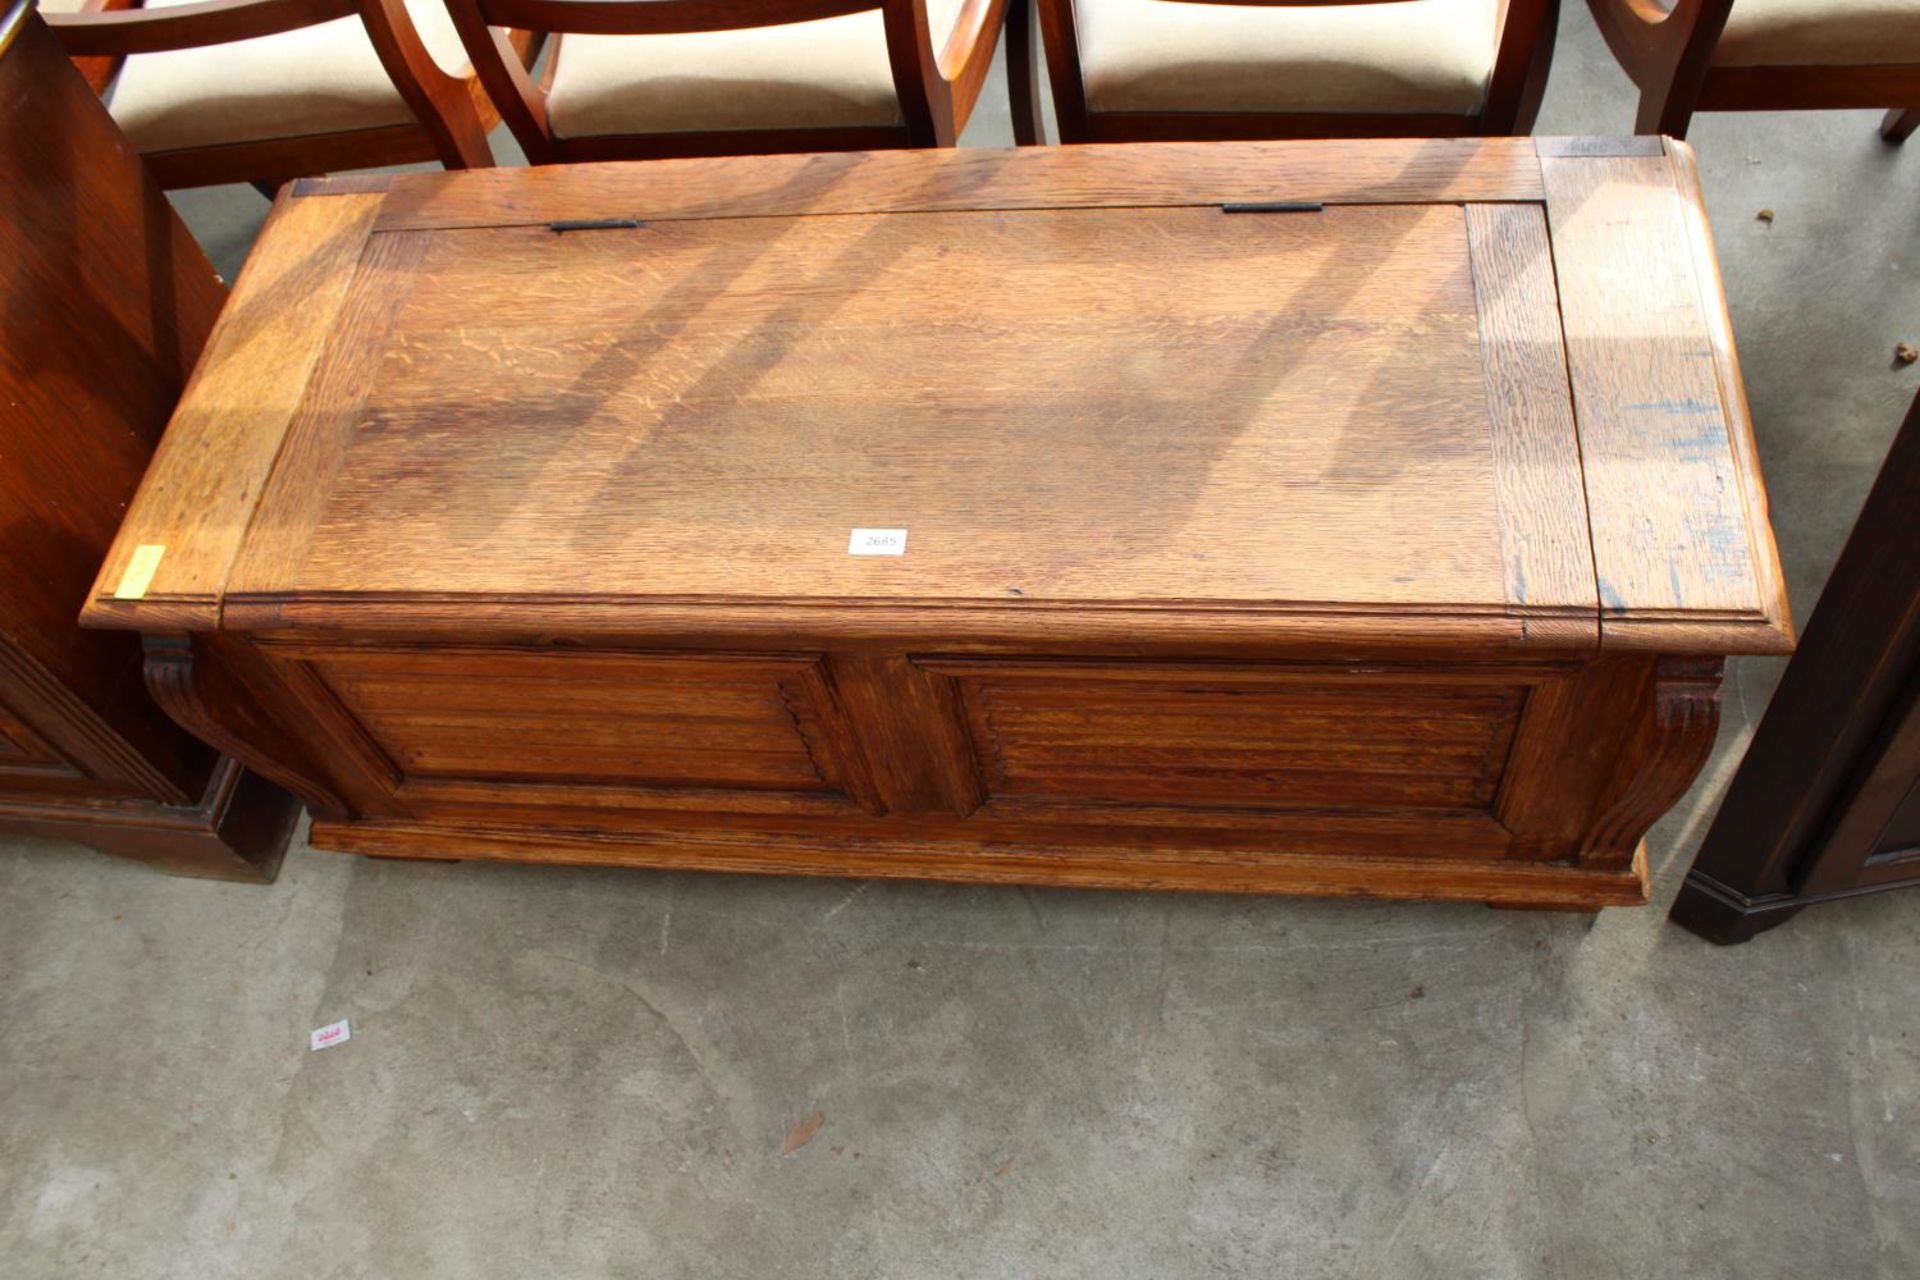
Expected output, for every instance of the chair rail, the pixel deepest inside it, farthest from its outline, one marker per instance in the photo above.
(661, 17)
(117, 32)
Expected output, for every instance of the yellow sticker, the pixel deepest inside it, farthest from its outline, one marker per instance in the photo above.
(140, 569)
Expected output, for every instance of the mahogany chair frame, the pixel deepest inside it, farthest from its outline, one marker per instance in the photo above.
(98, 72)
(1519, 81)
(1667, 46)
(452, 115)
(938, 86)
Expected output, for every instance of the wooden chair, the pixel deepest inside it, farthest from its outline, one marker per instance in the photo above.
(260, 91)
(97, 72)
(1766, 55)
(1139, 70)
(635, 79)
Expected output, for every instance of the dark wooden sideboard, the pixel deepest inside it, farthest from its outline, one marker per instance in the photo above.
(105, 303)
(1827, 802)
(1344, 518)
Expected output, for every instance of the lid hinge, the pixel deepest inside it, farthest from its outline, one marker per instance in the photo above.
(1273, 206)
(593, 224)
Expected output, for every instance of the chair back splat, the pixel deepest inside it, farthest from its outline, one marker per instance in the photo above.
(635, 79)
(1146, 70)
(261, 91)
(1687, 56)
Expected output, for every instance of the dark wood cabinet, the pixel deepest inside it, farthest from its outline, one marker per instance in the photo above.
(105, 303)
(1827, 802)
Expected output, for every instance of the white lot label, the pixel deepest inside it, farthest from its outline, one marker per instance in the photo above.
(878, 542)
(332, 1034)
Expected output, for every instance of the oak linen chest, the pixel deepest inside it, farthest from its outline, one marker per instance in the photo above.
(1337, 518)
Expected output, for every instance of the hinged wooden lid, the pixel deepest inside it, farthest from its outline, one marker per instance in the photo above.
(1082, 390)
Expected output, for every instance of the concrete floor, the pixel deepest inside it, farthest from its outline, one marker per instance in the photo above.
(590, 1073)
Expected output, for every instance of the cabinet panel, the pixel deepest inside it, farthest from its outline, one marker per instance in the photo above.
(603, 728)
(1893, 787)
(1234, 740)
(27, 762)
(54, 748)
(1901, 839)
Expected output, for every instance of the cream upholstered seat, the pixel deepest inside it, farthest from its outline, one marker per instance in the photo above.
(1426, 56)
(829, 73)
(315, 80)
(1813, 33)
(1767, 55)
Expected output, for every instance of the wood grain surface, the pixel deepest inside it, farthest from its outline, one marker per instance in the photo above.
(1536, 453)
(1176, 868)
(1674, 536)
(200, 494)
(1770, 583)
(707, 409)
(957, 373)
(1358, 172)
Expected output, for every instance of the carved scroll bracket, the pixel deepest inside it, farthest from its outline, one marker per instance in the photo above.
(1662, 758)
(212, 700)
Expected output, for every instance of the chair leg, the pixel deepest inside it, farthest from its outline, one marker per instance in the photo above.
(1533, 90)
(1023, 75)
(1900, 124)
(1664, 113)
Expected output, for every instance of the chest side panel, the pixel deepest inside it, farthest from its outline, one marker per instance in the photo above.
(1246, 740)
(1398, 759)
(593, 730)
